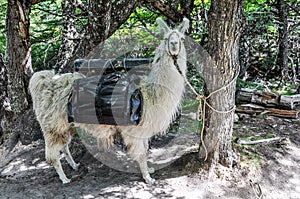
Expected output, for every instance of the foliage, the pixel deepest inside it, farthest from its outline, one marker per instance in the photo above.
(3, 5)
(259, 45)
(271, 85)
(199, 23)
(45, 33)
(139, 30)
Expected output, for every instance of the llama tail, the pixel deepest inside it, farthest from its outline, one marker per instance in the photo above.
(40, 81)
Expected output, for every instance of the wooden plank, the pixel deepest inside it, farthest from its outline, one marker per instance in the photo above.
(256, 109)
(283, 113)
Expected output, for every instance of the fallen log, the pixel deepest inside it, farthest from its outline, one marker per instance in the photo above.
(240, 141)
(268, 99)
(256, 109)
(283, 113)
(291, 101)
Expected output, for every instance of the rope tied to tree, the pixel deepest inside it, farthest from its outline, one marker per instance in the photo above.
(203, 102)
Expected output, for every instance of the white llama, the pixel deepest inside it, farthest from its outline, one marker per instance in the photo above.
(162, 90)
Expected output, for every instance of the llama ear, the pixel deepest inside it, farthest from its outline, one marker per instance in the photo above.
(185, 25)
(162, 26)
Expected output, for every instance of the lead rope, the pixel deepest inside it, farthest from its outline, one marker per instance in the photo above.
(203, 102)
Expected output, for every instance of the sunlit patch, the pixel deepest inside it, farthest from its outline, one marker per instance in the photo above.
(88, 196)
(19, 165)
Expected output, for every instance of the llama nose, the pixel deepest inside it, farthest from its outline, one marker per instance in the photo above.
(174, 43)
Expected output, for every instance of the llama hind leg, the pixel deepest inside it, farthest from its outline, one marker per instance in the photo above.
(53, 158)
(69, 158)
(142, 161)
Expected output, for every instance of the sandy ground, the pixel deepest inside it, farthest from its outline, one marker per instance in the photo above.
(272, 168)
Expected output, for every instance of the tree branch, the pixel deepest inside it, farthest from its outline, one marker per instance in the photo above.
(145, 25)
(167, 11)
(48, 11)
(33, 2)
(121, 10)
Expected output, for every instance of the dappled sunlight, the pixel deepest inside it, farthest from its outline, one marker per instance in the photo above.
(21, 165)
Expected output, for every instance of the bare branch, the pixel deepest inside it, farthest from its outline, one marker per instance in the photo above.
(47, 11)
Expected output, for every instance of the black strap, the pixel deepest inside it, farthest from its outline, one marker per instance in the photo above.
(177, 66)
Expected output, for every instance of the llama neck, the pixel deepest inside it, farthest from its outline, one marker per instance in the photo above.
(163, 90)
(164, 81)
(164, 68)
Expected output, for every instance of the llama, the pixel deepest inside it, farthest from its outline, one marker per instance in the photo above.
(162, 91)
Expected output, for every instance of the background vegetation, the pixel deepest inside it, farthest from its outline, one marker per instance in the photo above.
(259, 45)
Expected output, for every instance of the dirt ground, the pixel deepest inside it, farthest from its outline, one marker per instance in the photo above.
(272, 169)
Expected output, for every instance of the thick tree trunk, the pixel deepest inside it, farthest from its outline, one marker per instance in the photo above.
(3, 93)
(70, 36)
(19, 70)
(224, 33)
(283, 38)
(18, 54)
(104, 18)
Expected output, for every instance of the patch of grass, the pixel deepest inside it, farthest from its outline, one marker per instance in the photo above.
(267, 136)
(288, 88)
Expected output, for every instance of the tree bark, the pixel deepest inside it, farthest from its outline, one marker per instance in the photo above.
(70, 36)
(283, 38)
(18, 54)
(19, 70)
(104, 17)
(3, 93)
(224, 33)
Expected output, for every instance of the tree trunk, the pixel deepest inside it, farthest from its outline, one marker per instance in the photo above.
(19, 70)
(224, 33)
(283, 38)
(70, 36)
(104, 18)
(18, 54)
(3, 94)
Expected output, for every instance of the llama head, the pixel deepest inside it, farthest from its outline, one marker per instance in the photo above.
(173, 37)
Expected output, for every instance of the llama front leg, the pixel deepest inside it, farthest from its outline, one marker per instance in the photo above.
(69, 158)
(138, 150)
(53, 158)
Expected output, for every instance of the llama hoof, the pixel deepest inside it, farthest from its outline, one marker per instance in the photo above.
(151, 170)
(149, 180)
(66, 181)
(75, 166)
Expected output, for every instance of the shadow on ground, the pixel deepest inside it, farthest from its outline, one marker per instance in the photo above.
(274, 168)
